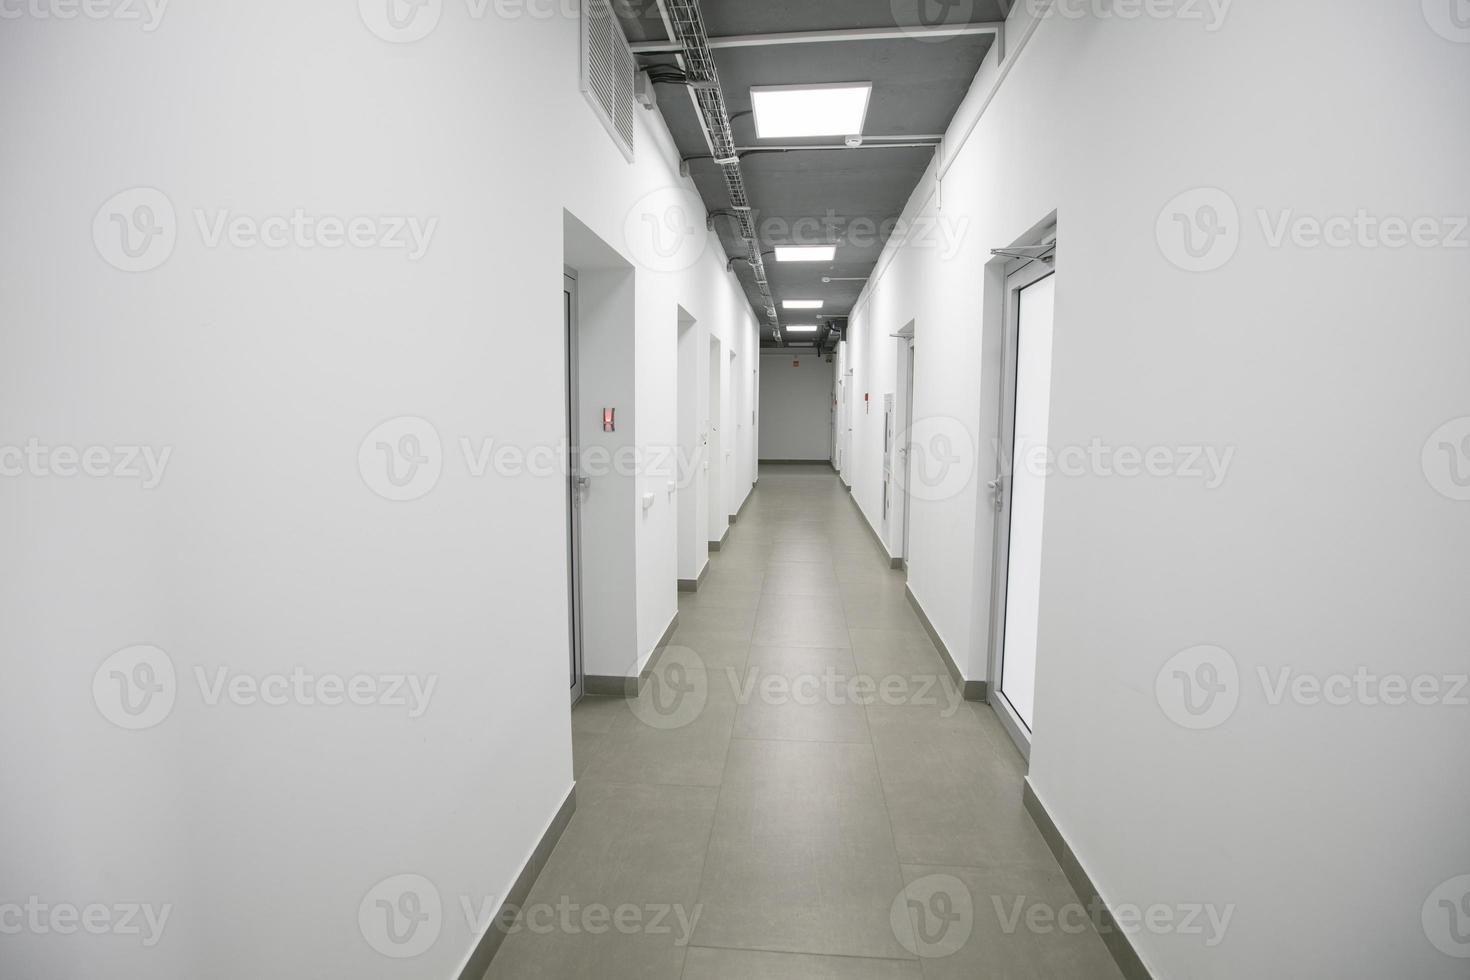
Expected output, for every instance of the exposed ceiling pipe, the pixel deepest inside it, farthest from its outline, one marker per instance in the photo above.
(686, 27)
(865, 145)
(916, 32)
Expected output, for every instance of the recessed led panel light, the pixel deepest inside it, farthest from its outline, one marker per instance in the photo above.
(807, 253)
(829, 109)
(802, 304)
(801, 328)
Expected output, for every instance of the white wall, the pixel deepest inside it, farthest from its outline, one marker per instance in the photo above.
(1324, 550)
(796, 399)
(263, 549)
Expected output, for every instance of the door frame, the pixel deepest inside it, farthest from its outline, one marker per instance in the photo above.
(575, 483)
(1019, 275)
(716, 519)
(905, 448)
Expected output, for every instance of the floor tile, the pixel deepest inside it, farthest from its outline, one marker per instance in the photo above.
(668, 739)
(715, 649)
(639, 846)
(734, 964)
(801, 857)
(951, 798)
(984, 925)
(806, 621)
(881, 652)
(804, 693)
(800, 578)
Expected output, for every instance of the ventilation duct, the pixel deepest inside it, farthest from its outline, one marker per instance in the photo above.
(704, 83)
(609, 73)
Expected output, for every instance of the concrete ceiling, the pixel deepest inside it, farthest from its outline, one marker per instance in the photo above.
(851, 197)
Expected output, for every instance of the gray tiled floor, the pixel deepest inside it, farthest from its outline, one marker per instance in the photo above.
(803, 794)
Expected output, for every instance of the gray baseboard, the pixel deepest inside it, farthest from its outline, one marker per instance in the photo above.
(489, 943)
(897, 563)
(796, 462)
(744, 503)
(693, 584)
(872, 532)
(608, 686)
(717, 545)
(1130, 964)
(603, 686)
(972, 690)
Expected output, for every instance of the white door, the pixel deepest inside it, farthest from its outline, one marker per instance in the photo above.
(905, 456)
(890, 463)
(839, 410)
(576, 483)
(846, 434)
(717, 517)
(1019, 493)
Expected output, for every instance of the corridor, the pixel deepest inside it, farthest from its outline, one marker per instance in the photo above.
(800, 792)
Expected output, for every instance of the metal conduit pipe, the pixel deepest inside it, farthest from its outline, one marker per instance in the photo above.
(687, 29)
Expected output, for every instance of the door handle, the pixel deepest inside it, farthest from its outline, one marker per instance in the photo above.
(582, 482)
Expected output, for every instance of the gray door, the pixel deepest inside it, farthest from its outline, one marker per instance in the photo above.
(576, 483)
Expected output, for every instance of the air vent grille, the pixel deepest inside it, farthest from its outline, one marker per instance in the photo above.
(608, 72)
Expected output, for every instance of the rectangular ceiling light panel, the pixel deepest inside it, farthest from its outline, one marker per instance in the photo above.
(787, 111)
(811, 253)
(802, 304)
